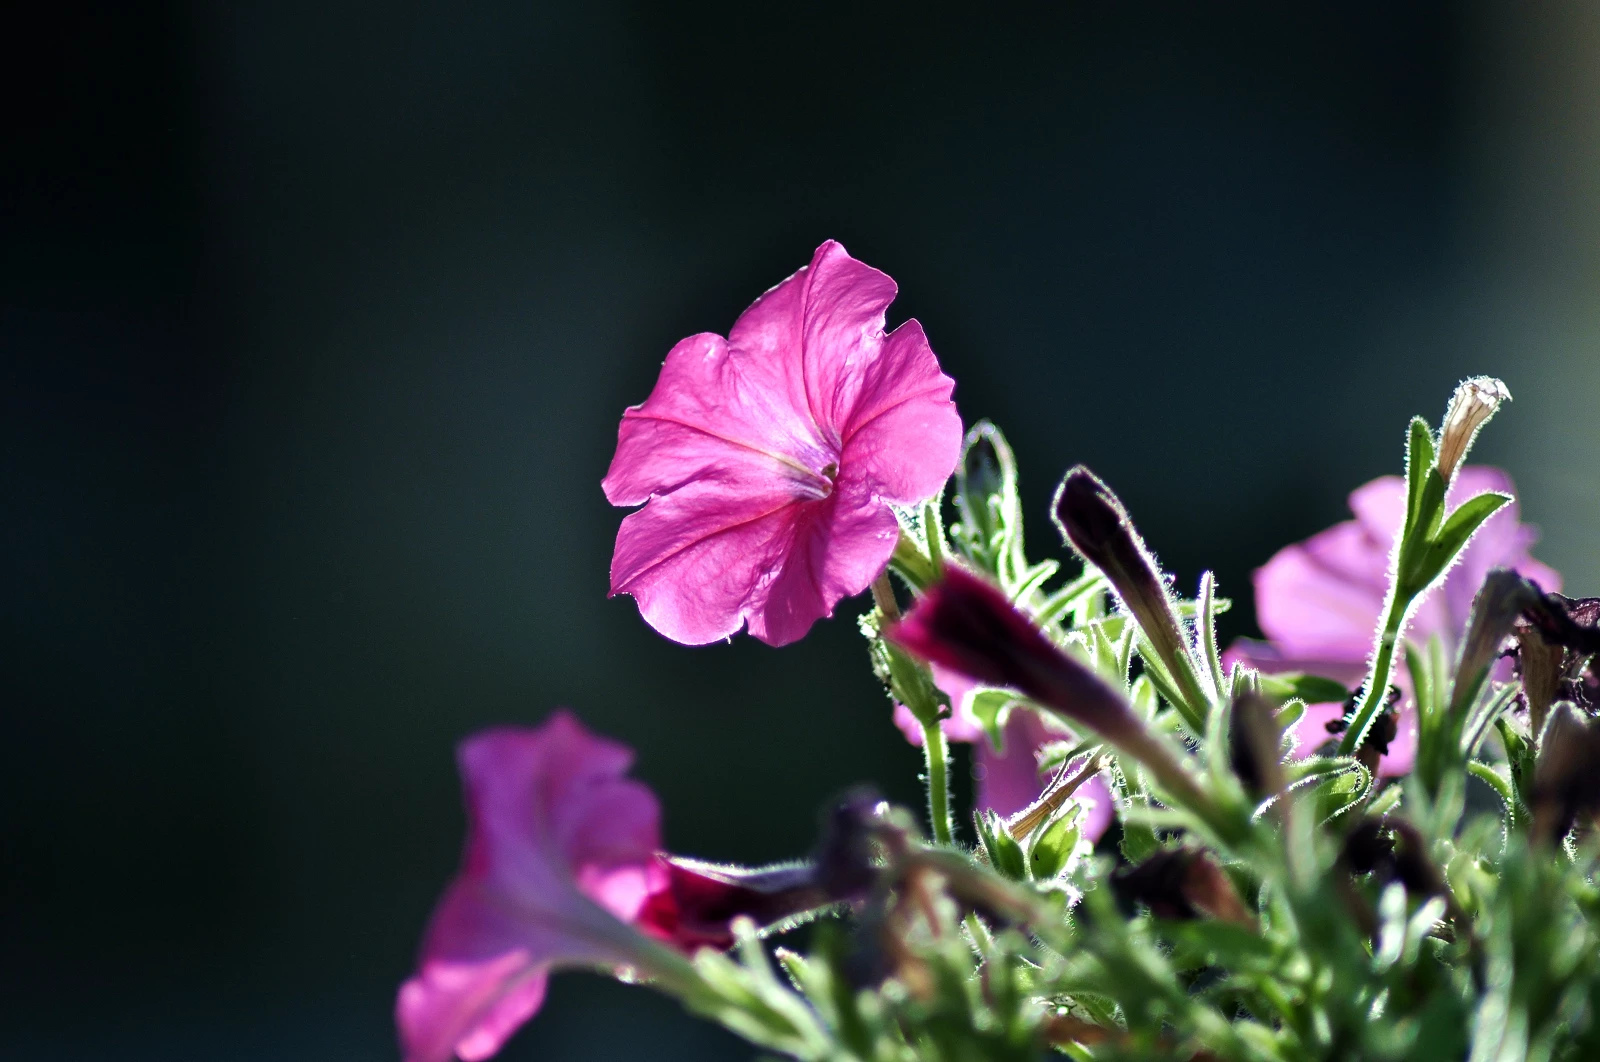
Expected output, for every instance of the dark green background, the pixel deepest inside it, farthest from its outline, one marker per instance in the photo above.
(317, 320)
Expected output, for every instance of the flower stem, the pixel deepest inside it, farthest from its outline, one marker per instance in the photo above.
(1377, 688)
(938, 778)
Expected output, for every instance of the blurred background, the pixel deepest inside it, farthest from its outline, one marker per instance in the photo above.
(317, 320)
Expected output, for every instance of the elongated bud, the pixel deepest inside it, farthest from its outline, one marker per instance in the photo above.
(1474, 402)
(1566, 775)
(968, 626)
(701, 901)
(1495, 609)
(1094, 522)
(1255, 744)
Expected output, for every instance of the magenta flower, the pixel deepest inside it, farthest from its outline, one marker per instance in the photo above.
(1319, 602)
(766, 462)
(561, 868)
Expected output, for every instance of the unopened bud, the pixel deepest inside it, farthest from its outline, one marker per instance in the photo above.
(1566, 775)
(1392, 851)
(1094, 522)
(964, 624)
(1474, 402)
(1255, 745)
(1181, 884)
(1499, 601)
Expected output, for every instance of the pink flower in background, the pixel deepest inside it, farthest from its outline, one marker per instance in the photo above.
(766, 462)
(562, 868)
(1319, 602)
(1008, 780)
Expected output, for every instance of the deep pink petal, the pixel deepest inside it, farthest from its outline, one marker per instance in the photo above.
(1310, 607)
(903, 434)
(715, 411)
(838, 547)
(1380, 506)
(700, 560)
(755, 509)
(467, 1010)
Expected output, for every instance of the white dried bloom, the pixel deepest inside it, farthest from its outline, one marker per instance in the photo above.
(1474, 402)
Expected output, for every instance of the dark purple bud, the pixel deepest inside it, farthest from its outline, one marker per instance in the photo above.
(1255, 745)
(701, 901)
(1566, 775)
(846, 854)
(968, 626)
(1392, 850)
(1499, 601)
(1181, 884)
(1094, 522)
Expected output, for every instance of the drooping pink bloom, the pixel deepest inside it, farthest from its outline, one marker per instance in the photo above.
(1319, 602)
(561, 868)
(766, 462)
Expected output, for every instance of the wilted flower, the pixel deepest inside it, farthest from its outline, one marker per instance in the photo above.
(767, 462)
(561, 868)
(1319, 601)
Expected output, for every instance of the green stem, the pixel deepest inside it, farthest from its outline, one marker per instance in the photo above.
(933, 746)
(1377, 688)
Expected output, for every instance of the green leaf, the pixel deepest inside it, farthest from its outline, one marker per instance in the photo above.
(1419, 461)
(1054, 845)
(1453, 537)
(1003, 852)
(992, 709)
(1313, 689)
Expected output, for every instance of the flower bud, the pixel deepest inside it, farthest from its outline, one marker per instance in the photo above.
(1474, 402)
(1179, 885)
(1094, 522)
(1566, 775)
(1494, 612)
(968, 626)
(1255, 745)
(1392, 850)
(1554, 636)
(702, 900)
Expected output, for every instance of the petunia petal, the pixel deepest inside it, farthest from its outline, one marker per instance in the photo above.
(717, 412)
(903, 434)
(699, 560)
(839, 546)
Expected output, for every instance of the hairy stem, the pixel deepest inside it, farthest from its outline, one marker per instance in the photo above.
(1377, 687)
(938, 779)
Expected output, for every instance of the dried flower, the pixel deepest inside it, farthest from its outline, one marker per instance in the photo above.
(767, 462)
(1474, 402)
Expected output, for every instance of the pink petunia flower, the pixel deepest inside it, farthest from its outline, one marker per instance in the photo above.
(766, 462)
(561, 868)
(1319, 602)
